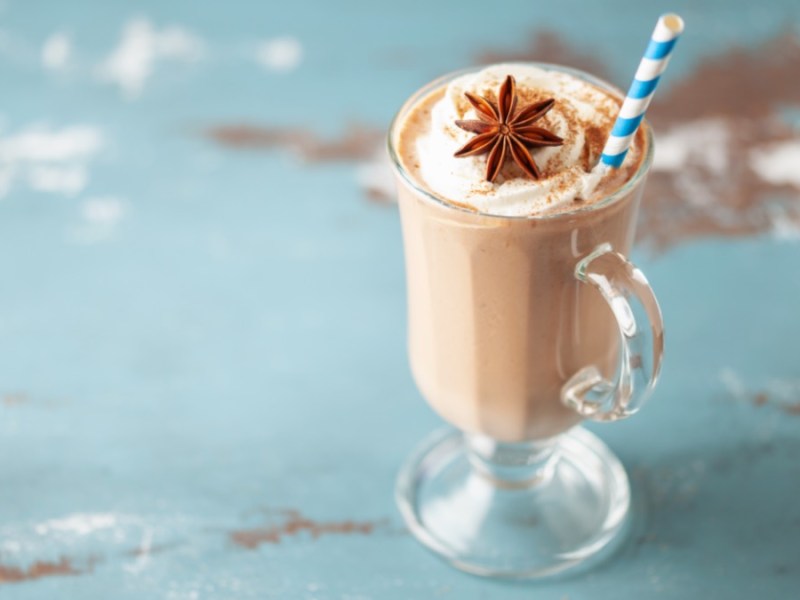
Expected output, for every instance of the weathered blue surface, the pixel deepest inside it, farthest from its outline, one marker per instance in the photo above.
(193, 337)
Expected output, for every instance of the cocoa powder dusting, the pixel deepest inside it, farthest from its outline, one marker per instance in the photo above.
(783, 403)
(743, 91)
(760, 399)
(15, 398)
(556, 166)
(294, 524)
(739, 83)
(545, 46)
(39, 570)
(792, 409)
(358, 142)
(378, 196)
(140, 551)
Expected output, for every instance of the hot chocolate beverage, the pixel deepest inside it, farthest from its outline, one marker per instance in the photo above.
(498, 322)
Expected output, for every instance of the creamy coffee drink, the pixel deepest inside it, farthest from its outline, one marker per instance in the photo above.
(498, 321)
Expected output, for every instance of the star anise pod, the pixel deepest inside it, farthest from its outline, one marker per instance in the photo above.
(502, 128)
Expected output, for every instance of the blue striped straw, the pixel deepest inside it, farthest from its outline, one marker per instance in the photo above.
(654, 61)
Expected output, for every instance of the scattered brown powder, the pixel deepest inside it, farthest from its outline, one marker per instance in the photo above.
(528, 96)
(743, 89)
(594, 136)
(740, 83)
(246, 137)
(140, 551)
(378, 196)
(462, 105)
(15, 398)
(570, 115)
(760, 399)
(294, 524)
(696, 202)
(792, 409)
(545, 46)
(358, 142)
(39, 570)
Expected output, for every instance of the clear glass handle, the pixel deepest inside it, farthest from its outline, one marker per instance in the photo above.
(641, 331)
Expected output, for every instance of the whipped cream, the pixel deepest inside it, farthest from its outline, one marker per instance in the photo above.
(582, 115)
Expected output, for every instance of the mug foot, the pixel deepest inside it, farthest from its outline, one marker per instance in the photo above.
(570, 516)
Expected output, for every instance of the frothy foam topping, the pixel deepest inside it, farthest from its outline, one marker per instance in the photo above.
(583, 116)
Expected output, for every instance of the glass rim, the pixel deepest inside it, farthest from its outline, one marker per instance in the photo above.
(607, 200)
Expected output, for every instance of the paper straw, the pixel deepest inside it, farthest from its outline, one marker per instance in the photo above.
(654, 61)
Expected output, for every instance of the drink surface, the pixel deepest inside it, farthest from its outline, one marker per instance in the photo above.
(583, 115)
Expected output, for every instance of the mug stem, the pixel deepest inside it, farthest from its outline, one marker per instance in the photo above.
(512, 465)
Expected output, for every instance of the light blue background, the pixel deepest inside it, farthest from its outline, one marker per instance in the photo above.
(234, 342)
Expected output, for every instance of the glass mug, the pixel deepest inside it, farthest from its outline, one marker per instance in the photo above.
(519, 328)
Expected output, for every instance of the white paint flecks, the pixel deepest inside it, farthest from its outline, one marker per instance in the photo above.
(130, 539)
(16, 49)
(40, 143)
(106, 210)
(703, 143)
(67, 180)
(283, 53)
(784, 228)
(99, 219)
(733, 383)
(10, 547)
(141, 46)
(787, 390)
(376, 177)
(778, 163)
(781, 391)
(143, 553)
(77, 524)
(56, 51)
(47, 159)
(7, 174)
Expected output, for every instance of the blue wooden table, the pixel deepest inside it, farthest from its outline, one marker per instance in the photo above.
(203, 382)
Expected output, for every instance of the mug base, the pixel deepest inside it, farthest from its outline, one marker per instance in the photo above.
(568, 520)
